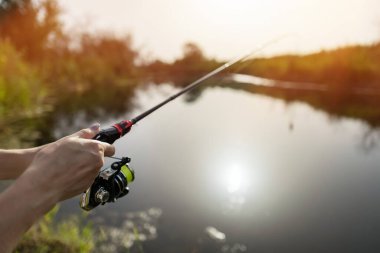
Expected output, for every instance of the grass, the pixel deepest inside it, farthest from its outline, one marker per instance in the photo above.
(68, 236)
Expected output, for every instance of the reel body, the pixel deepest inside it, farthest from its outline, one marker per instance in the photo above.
(111, 184)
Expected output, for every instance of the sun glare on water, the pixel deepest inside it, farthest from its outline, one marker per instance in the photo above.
(234, 179)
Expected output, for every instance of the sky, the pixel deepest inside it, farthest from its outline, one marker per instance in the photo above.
(228, 28)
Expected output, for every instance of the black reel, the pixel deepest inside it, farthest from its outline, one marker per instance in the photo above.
(111, 184)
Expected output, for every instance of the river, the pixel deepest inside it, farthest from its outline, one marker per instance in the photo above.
(235, 171)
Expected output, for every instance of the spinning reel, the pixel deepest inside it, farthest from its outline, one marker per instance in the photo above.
(111, 184)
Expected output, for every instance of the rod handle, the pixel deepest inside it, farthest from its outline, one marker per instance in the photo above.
(111, 134)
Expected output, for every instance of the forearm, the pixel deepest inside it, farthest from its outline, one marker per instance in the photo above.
(59, 171)
(20, 206)
(14, 162)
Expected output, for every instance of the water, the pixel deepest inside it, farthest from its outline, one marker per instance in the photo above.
(270, 176)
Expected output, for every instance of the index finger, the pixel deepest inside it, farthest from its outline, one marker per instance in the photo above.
(108, 149)
(88, 133)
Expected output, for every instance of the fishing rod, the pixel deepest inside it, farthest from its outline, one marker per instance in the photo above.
(118, 130)
(112, 183)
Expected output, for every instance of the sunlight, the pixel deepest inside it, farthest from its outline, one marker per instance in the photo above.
(234, 179)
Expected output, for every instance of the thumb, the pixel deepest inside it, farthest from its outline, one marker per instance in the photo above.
(88, 133)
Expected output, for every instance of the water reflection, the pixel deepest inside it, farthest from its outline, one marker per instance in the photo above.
(136, 228)
(234, 203)
(234, 178)
(215, 234)
(215, 241)
(230, 160)
(259, 81)
(370, 139)
(234, 182)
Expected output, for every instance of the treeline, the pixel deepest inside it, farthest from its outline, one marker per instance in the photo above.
(193, 64)
(350, 74)
(348, 68)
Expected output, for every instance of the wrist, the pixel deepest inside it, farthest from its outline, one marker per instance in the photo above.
(22, 204)
(35, 199)
(29, 154)
(15, 162)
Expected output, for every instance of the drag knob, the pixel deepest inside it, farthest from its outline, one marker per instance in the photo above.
(102, 196)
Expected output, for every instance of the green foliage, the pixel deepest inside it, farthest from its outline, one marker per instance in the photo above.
(66, 236)
(21, 97)
(21, 90)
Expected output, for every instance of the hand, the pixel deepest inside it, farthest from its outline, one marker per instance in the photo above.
(69, 166)
(59, 170)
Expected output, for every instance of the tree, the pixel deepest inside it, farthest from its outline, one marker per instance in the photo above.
(30, 25)
(113, 54)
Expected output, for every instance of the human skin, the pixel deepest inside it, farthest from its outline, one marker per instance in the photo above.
(15, 161)
(45, 176)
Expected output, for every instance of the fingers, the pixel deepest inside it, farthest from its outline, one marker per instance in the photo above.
(98, 147)
(88, 133)
(108, 149)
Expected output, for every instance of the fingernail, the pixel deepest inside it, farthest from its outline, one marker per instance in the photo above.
(95, 126)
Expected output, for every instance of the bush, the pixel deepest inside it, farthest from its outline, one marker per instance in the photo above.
(68, 236)
(21, 98)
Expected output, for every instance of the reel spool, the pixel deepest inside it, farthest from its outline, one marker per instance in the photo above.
(111, 184)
